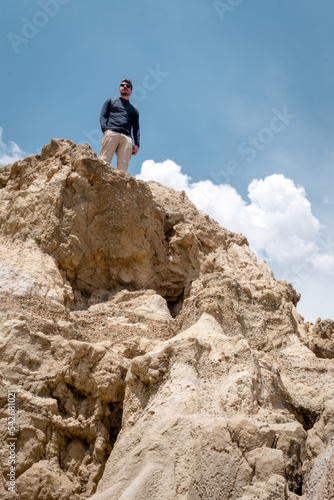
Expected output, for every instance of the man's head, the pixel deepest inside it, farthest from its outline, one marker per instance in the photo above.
(125, 88)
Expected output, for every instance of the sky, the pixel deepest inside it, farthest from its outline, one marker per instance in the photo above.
(236, 108)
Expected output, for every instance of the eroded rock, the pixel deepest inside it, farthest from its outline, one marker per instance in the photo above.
(69, 399)
(134, 327)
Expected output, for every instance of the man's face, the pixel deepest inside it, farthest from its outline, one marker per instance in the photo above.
(125, 89)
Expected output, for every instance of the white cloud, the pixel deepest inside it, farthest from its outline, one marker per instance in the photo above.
(9, 152)
(278, 223)
(167, 173)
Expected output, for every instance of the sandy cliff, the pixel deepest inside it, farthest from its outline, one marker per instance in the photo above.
(152, 356)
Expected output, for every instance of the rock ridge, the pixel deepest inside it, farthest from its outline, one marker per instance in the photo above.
(153, 356)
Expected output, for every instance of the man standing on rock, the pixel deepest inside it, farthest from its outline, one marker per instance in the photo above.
(118, 119)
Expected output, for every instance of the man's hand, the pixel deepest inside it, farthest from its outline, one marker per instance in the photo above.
(134, 150)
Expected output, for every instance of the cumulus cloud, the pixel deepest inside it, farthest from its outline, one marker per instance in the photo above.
(9, 152)
(277, 221)
(167, 173)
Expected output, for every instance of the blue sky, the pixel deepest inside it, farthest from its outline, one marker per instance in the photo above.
(235, 93)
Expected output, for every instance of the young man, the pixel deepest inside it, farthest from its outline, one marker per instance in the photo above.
(118, 120)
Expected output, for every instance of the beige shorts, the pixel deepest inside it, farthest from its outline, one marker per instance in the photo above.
(114, 142)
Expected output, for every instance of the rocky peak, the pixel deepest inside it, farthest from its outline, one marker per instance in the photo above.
(152, 355)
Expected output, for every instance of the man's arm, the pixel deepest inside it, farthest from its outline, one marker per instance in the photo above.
(104, 115)
(136, 131)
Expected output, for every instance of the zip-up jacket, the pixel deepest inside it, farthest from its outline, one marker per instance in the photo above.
(119, 115)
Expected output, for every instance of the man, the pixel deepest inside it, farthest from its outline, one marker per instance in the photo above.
(118, 120)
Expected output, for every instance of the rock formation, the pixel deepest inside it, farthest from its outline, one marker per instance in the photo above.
(151, 355)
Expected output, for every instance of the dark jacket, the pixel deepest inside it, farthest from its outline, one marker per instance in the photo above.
(119, 115)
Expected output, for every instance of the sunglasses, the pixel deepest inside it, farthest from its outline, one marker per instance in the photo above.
(127, 85)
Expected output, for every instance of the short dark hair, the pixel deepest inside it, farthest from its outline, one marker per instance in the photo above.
(127, 80)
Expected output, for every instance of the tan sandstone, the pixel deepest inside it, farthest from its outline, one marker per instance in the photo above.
(153, 356)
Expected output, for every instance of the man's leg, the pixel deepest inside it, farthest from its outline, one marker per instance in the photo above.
(124, 152)
(109, 144)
